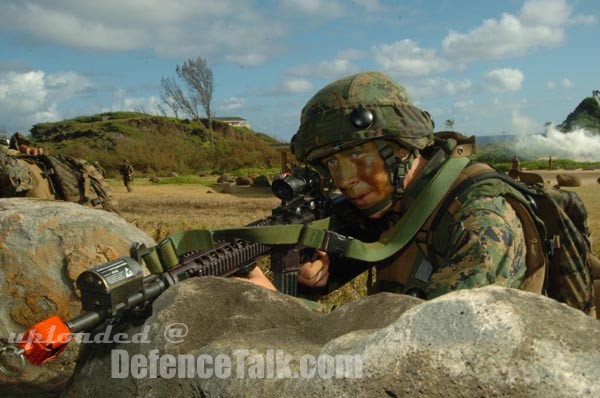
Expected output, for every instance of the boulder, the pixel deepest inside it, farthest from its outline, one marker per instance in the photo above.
(226, 187)
(173, 174)
(45, 246)
(262, 181)
(243, 181)
(154, 179)
(491, 341)
(568, 180)
(224, 178)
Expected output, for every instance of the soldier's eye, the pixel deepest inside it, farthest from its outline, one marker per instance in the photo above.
(331, 162)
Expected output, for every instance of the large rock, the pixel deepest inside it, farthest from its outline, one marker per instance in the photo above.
(568, 180)
(244, 181)
(482, 342)
(262, 181)
(45, 245)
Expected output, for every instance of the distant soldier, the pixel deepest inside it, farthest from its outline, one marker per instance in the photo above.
(515, 167)
(127, 173)
(549, 162)
(516, 164)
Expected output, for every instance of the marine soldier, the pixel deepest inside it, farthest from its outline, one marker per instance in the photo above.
(127, 173)
(17, 178)
(379, 150)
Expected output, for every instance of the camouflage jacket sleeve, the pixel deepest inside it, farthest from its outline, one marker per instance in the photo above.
(486, 246)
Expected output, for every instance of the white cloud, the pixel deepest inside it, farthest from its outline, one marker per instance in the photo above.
(566, 83)
(551, 85)
(545, 12)
(291, 85)
(340, 66)
(504, 80)
(335, 68)
(233, 103)
(217, 29)
(465, 104)
(436, 87)
(150, 105)
(540, 24)
(405, 58)
(523, 124)
(298, 86)
(32, 97)
(316, 8)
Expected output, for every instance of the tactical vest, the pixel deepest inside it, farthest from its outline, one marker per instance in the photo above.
(559, 259)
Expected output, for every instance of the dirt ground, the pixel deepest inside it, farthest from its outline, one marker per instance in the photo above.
(587, 176)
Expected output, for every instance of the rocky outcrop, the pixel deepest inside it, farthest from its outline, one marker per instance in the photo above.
(262, 181)
(44, 247)
(482, 342)
(568, 180)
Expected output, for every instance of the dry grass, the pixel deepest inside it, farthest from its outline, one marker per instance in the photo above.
(160, 210)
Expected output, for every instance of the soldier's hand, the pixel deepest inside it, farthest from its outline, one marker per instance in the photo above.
(316, 273)
(257, 277)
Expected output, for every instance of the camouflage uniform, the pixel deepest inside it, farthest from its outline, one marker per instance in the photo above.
(15, 177)
(486, 246)
(127, 173)
(482, 244)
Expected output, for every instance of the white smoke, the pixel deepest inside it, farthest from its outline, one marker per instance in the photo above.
(579, 145)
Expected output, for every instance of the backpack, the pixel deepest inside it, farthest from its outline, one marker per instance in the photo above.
(70, 179)
(560, 260)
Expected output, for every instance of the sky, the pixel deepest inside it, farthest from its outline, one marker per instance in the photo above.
(492, 67)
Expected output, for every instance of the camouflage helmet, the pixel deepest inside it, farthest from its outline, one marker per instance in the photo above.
(358, 108)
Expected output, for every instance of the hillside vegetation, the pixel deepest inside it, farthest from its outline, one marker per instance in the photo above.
(586, 115)
(155, 144)
(160, 145)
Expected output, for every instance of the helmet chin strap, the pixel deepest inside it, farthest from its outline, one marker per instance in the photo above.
(397, 168)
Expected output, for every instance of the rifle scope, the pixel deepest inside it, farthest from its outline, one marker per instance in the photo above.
(296, 184)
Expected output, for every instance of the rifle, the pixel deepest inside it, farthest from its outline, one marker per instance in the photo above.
(118, 290)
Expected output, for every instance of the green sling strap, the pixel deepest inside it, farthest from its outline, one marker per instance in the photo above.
(315, 234)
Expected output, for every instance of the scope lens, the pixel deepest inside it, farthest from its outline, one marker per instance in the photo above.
(289, 187)
(282, 190)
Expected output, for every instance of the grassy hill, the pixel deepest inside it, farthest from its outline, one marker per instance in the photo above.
(155, 144)
(586, 115)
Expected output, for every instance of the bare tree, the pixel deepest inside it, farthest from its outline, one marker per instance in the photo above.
(175, 98)
(198, 78)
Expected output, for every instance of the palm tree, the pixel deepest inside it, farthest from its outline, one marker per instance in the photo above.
(449, 124)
